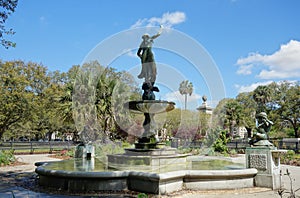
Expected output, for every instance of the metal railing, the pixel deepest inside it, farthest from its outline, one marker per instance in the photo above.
(237, 144)
(32, 146)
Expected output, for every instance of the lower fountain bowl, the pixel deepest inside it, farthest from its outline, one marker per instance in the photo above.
(162, 177)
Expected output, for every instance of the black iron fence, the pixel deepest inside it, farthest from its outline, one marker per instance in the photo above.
(51, 146)
(33, 146)
(289, 144)
(185, 143)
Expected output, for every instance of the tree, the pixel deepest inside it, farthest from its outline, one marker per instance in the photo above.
(21, 91)
(185, 88)
(249, 109)
(233, 115)
(7, 7)
(65, 108)
(14, 99)
(262, 95)
(92, 99)
(218, 116)
(288, 104)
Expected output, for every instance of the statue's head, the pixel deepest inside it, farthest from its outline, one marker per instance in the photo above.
(146, 36)
(262, 115)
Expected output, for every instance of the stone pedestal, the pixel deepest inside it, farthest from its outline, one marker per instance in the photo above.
(160, 160)
(267, 162)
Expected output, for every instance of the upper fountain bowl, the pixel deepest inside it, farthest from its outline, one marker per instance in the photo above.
(150, 106)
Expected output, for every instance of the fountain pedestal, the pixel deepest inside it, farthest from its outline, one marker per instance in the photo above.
(158, 160)
(149, 108)
(267, 162)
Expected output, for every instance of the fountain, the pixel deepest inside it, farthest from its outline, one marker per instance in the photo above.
(150, 167)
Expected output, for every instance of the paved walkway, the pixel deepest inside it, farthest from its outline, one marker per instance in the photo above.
(29, 160)
(10, 189)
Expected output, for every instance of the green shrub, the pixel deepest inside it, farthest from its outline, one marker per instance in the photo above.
(6, 157)
(182, 150)
(233, 152)
(290, 154)
(220, 145)
(168, 143)
(142, 195)
(126, 145)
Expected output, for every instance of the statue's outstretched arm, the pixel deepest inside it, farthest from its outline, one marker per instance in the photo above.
(158, 34)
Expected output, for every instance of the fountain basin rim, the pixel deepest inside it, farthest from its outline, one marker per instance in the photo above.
(155, 183)
(211, 174)
(80, 174)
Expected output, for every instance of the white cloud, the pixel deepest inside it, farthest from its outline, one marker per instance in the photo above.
(284, 63)
(245, 69)
(248, 88)
(130, 52)
(139, 23)
(168, 20)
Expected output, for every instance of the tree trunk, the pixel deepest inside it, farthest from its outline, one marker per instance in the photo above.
(296, 132)
(185, 101)
(1, 134)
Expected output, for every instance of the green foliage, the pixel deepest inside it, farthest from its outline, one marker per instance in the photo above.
(211, 137)
(288, 105)
(182, 150)
(98, 100)
(262, 95)
(6, 157)
(220, 145)
(230, 113)
(35, 102)
(7, 7)
(248, 106)
(126, 145)
(142, 195)
(183, 124)
(290, 155)
(280, 101)
(290, 158)
(233, 115)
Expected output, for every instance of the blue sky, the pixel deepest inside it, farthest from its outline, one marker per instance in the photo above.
(251, 42)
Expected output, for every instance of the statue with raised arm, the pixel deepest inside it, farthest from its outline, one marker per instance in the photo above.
(147, 58)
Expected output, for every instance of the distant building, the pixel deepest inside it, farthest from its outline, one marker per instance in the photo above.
(240, 132)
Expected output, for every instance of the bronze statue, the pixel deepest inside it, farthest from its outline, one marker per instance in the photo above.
(260, 136)
(147, 58)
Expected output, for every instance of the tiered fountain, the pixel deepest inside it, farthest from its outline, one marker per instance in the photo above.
(150, 167)
(149, 153)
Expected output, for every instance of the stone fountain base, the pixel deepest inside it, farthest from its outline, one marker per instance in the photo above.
(142, 181)
(149, 160)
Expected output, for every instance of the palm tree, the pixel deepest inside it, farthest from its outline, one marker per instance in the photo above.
(262, 95)
(186, 88)
(233, 115)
